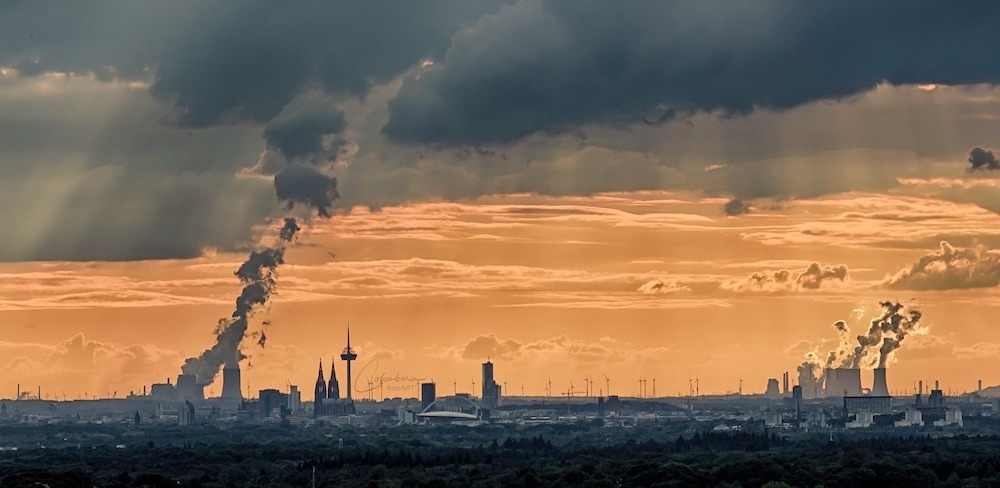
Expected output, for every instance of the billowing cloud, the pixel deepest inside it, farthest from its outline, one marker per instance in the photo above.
(783, 280)
(535, 67)
(949, 268)
(91, 366)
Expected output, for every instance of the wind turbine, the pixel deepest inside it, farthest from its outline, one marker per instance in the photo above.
(607, 384)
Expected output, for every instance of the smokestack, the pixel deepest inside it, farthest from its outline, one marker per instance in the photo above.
(784, 390)
(920, 387)
(936, 385)
(980, 388)
(231, 383)
(879, 385)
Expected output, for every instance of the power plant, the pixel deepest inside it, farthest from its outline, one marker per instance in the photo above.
(879, 385)
(846, 382)
(841, 382)
(231, 391)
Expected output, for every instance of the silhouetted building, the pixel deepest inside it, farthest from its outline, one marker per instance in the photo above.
(333, 391)
(185, 414)
(163, 391)
(491, 390)
(600, 407)
(320, 392)
(877, 405)
(270, 400)
(138, 419)
(428, 393)
(294, 398)
(797, 400)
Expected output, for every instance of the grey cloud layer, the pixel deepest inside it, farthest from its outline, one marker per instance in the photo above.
(154, 175)
(553, 65)
(227, 60)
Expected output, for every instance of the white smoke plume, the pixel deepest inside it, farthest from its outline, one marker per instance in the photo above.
(885, 335)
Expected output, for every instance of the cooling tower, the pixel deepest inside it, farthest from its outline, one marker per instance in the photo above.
(842, 382)
(231, 384)
(188, 388)
(879, 386)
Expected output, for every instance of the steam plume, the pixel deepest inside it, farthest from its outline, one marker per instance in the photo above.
(258, 275)
(885, 335)
(890, 329)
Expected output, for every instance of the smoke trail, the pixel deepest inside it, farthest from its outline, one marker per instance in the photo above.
(297, 133)
(257, 274)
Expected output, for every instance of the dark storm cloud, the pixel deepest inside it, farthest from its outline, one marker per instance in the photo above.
(234, 60)
(131, 187)
(980, 158)
(551, 66)
(299, 129)
(298, 184)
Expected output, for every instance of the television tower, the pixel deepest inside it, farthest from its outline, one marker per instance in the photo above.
(349, 355)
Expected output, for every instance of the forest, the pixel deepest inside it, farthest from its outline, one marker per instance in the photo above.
(525, 458)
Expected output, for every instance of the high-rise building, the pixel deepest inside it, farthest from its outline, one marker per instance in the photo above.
(428, 393)
(491, 390)
(333, 391)
(348, 355)
(271, 400)
(294, 398)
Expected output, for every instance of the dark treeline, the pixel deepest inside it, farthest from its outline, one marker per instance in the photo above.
(701, 460)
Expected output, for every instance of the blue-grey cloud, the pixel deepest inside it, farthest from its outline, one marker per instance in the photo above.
(551, 66)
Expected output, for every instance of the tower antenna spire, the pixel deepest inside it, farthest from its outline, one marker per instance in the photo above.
(349, 355)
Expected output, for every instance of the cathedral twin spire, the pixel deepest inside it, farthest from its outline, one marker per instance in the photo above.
(323, 389)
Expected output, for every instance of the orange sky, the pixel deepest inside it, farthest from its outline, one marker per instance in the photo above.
(560, 287)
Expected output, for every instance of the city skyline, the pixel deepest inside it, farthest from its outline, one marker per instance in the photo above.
(664, 190)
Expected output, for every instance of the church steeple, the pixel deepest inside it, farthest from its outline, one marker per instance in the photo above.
(334, 390)
(320, 392)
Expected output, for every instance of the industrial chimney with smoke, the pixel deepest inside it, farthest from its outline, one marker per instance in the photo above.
(879, 385)
(231, 383)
